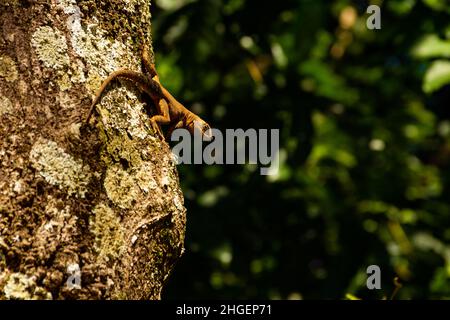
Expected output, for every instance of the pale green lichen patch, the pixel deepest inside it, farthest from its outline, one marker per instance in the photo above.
(122, 148)
(23, 287)
(64, 82)
(121, 110)
(8, 69)
(144, 178)
(51, 47)
(120, 187)
(5, 105)
(59, 168)
(108, 231)
(76, 72)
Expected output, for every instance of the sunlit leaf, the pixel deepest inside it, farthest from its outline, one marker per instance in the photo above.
(437, 76)
(431, 46)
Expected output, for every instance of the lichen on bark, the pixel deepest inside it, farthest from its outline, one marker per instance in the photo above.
(102, 197)
(8, 69)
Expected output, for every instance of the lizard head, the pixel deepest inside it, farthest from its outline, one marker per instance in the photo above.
(196, 123)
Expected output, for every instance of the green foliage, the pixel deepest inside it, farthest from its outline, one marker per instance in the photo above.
(365, 146)
(437, 76)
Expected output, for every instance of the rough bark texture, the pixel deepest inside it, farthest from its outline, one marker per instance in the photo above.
(102, 198)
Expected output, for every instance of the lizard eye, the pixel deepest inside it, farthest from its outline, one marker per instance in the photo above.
(205, 127)
(206, 130)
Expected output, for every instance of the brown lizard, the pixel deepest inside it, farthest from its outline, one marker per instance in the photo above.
(169, 110)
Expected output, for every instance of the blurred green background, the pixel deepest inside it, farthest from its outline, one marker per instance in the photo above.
(364, 119)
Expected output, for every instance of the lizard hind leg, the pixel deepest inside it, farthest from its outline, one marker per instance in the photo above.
(173, 127)
(162, 118)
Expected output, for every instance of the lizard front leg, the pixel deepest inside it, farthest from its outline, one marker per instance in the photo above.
(160, 119)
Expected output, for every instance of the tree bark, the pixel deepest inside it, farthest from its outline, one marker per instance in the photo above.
(86, 211)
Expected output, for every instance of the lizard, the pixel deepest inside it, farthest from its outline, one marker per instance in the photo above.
(169, 110)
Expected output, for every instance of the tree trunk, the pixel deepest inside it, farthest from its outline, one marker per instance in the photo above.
(86, 211)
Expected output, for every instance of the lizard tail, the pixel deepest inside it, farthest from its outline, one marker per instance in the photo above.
(134, 76)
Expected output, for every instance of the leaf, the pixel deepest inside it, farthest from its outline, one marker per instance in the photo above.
(437, 76)
(431, 46)
(401, 7)
(438, 5)
(349, 296)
